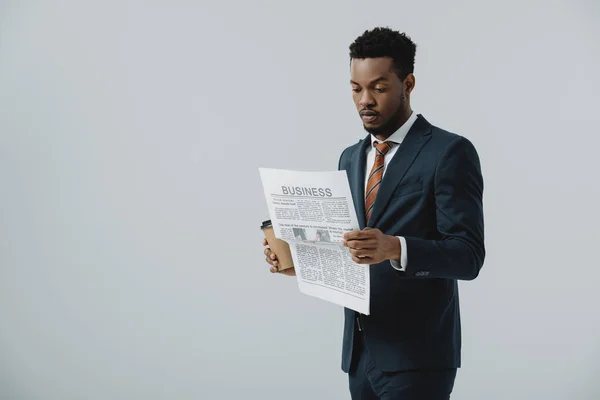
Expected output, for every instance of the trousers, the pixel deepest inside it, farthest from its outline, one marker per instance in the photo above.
(369, 383)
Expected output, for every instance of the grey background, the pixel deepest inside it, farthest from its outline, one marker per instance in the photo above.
(131, 134)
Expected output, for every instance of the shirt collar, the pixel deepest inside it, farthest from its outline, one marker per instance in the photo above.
(400, 134)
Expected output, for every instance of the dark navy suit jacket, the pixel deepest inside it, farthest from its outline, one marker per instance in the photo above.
(431, 194)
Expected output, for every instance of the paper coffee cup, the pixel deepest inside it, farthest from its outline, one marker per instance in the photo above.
(278, 246)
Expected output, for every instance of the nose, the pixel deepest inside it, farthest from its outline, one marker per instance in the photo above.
(366, 100)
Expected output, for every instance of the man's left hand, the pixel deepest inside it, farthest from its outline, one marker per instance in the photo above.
(371, 246)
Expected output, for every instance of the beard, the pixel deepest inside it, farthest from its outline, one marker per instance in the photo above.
(390, 125)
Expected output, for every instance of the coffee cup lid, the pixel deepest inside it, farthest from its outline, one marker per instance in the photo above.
(266, 224)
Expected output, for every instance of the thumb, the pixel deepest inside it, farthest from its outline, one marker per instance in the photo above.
(366, 228)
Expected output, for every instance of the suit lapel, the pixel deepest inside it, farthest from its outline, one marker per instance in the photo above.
(417, 136)
(357, 181)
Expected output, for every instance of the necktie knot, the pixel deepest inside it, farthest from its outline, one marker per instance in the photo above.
(382, 147)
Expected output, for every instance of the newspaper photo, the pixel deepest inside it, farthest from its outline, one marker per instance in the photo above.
(311, 211)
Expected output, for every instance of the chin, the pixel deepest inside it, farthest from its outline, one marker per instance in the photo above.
(372, 129)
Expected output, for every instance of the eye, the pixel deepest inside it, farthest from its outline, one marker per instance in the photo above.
(380, 90)
(355, 90)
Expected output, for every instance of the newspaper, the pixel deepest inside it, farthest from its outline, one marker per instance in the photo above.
(311, 211)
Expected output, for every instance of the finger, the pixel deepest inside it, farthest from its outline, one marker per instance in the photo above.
(265, 243)
(371, 231)
(361, 253)
(368, 243)
(368, 233)
(273, 270)
(361, 235)
(352, 235)
(270, 254)
(362, 244)
(271, 260)
(348, 240)
(358, 260)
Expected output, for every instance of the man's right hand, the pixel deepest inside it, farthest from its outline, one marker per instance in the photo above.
(272, 259)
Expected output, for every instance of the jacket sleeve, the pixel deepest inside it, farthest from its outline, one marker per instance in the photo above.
(458, 188)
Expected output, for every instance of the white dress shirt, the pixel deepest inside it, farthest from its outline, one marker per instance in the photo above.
(397, 137)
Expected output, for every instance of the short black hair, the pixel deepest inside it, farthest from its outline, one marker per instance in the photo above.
(385, 42)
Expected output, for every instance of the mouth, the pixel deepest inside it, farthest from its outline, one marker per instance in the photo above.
(369, 116)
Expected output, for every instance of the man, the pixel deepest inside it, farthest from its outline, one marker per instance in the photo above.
(418, 194)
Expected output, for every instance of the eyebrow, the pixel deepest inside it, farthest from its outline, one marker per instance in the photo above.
(381, 78)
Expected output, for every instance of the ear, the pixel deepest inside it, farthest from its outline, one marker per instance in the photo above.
(409, 83)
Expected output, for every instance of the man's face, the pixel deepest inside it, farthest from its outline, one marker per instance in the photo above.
(379, 95)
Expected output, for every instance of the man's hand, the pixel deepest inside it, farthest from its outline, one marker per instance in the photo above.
(272, 259)
(371, 246)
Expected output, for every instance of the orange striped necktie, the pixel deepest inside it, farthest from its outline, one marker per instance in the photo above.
(375, 176)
